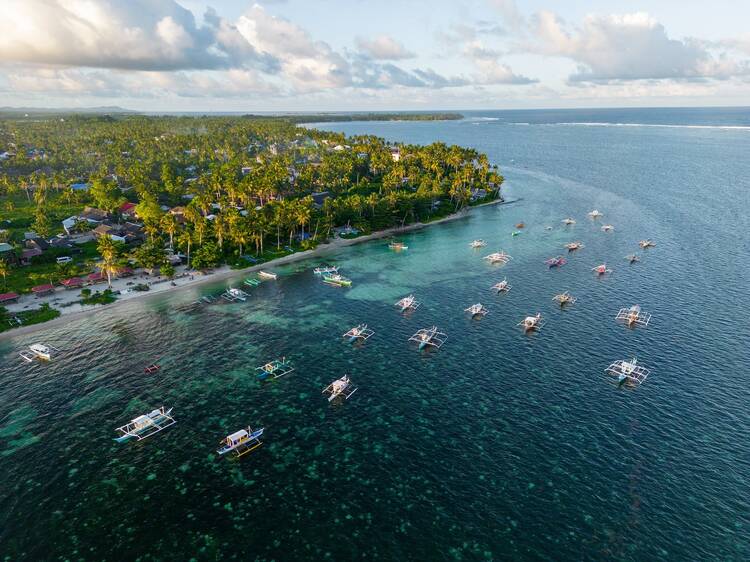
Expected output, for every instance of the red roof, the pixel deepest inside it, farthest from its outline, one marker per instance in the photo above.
(125, 271)
(126, 207)
(72, 282)
(7, 297)
(95, 276)
(43, 288)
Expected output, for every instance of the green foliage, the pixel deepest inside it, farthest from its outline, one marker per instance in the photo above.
(167, 270)
(207, 256)
(150, 255)
(27, 317)
(104, 297)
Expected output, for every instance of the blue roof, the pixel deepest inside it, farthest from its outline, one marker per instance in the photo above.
(80, 187)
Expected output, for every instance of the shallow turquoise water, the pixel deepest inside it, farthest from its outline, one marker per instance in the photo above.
(497, 446)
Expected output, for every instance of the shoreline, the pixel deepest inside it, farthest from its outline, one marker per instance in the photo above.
(225, 272)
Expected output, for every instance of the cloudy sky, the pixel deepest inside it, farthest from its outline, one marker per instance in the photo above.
(306, 55)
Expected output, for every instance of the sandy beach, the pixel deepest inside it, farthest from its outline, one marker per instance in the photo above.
(66, 300)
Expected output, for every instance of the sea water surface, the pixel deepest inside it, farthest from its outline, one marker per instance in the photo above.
(498, 446)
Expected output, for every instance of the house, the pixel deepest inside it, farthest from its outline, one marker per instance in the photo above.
(80, 186)
(94, 215)
(319, 197)
(106, 229)
(396, 153)
(7, 253)
(97, 277)
(72, 283)
(28, 254)
(41, 290)
(125, 272)
(127, 209)
(39, 243)
(246, 170)
(8, 298)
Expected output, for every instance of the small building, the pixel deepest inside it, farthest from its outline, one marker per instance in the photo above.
(246, 170)
(72, 283)
(319, 197)
(8, 298)
(94, 215)
(28, 254)
(125, 272)
(39, 243)
(7, 253)
(97, 277)
(127, 209)
(41, 290)
(396, 153)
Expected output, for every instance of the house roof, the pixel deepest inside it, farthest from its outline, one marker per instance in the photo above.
(43, 288)
(127, 206)
(98, 276)
(7, 297)
(72, 282)
(31, 252)
(103, 228)
(5, 247)
(93, 213)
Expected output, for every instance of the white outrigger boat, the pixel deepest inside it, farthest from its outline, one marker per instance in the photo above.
(564, 298)
(633, 316)
(340, 387)
(628, 372)
(498, 257)
(39, 351)
(233, 295)
(429, 337)
(241, 442)
(267, 275)
(146, 425)
(568, 221)
(325, 270)
(477, 310)
(595, 214)
(502, 287)
(408, 303)
(647, 243)
(479, 243)
(276, 369)
(359, 333)
(573, 246)
(532, 323)
(398, 246)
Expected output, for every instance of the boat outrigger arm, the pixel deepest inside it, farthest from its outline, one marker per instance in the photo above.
(146, 425)
(276, 369)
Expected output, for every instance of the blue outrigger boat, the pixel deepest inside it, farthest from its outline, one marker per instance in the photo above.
(241, 442)
(146, 425)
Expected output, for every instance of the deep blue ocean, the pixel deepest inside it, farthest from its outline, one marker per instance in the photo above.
(498, 446)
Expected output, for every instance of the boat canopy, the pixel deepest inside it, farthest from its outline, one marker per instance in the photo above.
(236, 437)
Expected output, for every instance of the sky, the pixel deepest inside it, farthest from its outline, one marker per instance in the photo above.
(357, 55)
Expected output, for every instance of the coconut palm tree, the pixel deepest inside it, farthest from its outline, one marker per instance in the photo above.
(109, 251)
(4, 271)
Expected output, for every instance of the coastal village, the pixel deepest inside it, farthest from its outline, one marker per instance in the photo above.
(93, 209)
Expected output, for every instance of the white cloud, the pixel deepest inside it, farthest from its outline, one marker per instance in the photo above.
(383, 47)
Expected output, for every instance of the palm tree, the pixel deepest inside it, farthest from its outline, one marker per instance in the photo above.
(4, 271)
(109, 251)
(184, 240)
(169, 225)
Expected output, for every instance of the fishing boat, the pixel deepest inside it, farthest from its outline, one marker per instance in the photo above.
(477, 310)
(359, 333)
(607, 228)
(252, 282)
(276, 369)
(557, 261)
(648, 243)
(267, 275)
(628, 372)
(515, 233)
(601, 269)
(207, 299)
(340, 387)
(151, 369)
(573, 246)
(408, 303)
(233, 295)
(479, 243)
(241, 442)
(532, 323)
(336, 279)
(325, 270)
(398, 246)
(632, 258)
(564, 298)
(568, 221)
(498, 257)
(633, 316)
(520, 225)
(39, 351)
(146, 425)
(595, 214)
(429, 337)
(502, 286)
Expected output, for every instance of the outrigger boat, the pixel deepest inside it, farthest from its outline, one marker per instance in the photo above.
(607, 228)
(359, 333)
(648, 243)
(557, 261)
(151, 369)
(206, 299)
(336, 279)
(502, 287)
(233, 295)
(408, 303)
(325, 270)
(515, 233)
(477, 310)
(498, 257)
(632, 258)
(267, 275)
(633, 316)
(628, 372)
(573, 246)
(146, 425)
(595, 214)
(398, 246)
(241, 442)
(532, 323)
(429, 337)
(479, 243)
(520, 225)
(276, 369)
(340, 387)
(568, 221)
(252, 282)
(564, 298)
(601, 269)
(39, 351)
